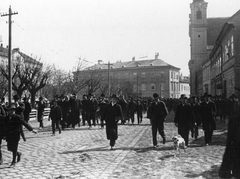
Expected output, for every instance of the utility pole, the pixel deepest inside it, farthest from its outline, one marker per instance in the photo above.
(10, 13)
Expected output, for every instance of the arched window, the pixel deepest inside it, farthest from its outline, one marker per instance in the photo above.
(199, 14)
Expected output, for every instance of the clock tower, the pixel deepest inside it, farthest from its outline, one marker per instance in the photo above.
(198, 43)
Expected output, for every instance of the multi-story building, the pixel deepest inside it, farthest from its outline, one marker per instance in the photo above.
(225, 59)
(203, 32)
(214, 65)
(144, 77)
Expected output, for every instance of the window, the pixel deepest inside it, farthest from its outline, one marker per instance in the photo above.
(199, 14)
(134, 88)
(144, 87)
(161, 86)
(171, 88)
(134, 74)
(153, 86)
(171, 74)
(153, 74)
(143, 74)
(162, 74)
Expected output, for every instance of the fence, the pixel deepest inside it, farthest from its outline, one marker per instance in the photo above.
(33, 114)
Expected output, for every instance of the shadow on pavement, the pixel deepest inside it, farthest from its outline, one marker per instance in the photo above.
(107, 148)
(217, 139)
(209, 174)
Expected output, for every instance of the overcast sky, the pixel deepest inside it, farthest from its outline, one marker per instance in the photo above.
(60, 31)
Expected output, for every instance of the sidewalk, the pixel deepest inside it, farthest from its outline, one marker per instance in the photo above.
(84, 153)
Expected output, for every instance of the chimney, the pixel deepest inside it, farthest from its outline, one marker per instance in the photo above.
(156, 55)
(133, 59)
(99, 62)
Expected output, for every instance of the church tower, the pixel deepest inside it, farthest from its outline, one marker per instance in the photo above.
(198, 43)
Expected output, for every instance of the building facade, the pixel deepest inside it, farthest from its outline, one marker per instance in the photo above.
(208, 52)
(143, 77)
(184, 85)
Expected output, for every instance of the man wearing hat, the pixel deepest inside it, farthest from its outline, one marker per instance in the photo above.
(230, 166)
(208, 112)
(112, 114)
(157, 113)
(40, 112)
(184, 118)
(14, 123)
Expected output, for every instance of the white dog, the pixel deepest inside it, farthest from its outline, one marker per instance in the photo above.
(178, 142)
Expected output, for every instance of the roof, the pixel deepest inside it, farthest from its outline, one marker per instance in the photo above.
(214, 28)
(26, 58)
(133, 64)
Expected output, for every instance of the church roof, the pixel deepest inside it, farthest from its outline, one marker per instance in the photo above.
(133, 64)
(214, 28)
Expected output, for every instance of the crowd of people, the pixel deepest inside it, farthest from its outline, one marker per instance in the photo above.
(68, 111)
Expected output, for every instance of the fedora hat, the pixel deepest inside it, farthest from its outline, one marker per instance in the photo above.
(183, 96)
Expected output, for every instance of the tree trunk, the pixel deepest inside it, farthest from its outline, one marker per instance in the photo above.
(33, 95)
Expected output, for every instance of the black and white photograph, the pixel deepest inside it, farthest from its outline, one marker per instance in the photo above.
(119, 89)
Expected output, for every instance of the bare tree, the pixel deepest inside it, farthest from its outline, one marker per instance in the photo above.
(76, 80)
(93, 81)
(126, 88)
(38, 76)
(19, 77)
(3, 86)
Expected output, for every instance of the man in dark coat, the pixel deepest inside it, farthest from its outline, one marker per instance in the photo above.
(139, 110)
(230, 166)
(157, 113)
(208, 112)
(84, 109)
(102, 107)
(40, 111)
(131, 109)
(75, 105)
(196, 112)
(112, 115)
(124, 104)
(27, 109)
(184, 118)
(91, 110)
(56, 116)
(14, 123)
(2, 128)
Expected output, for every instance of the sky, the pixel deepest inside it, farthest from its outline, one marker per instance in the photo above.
(62, 31)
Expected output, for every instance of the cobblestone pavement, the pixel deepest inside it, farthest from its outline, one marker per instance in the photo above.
(84, 153)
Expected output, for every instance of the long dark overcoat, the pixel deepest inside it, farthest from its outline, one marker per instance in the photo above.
(208, 110)
(112, 115)
(184, 116)
(14, 129)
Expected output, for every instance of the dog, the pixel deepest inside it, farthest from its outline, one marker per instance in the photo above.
(178, 142)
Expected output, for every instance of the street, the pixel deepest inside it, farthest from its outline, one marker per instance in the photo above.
(85, 153)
